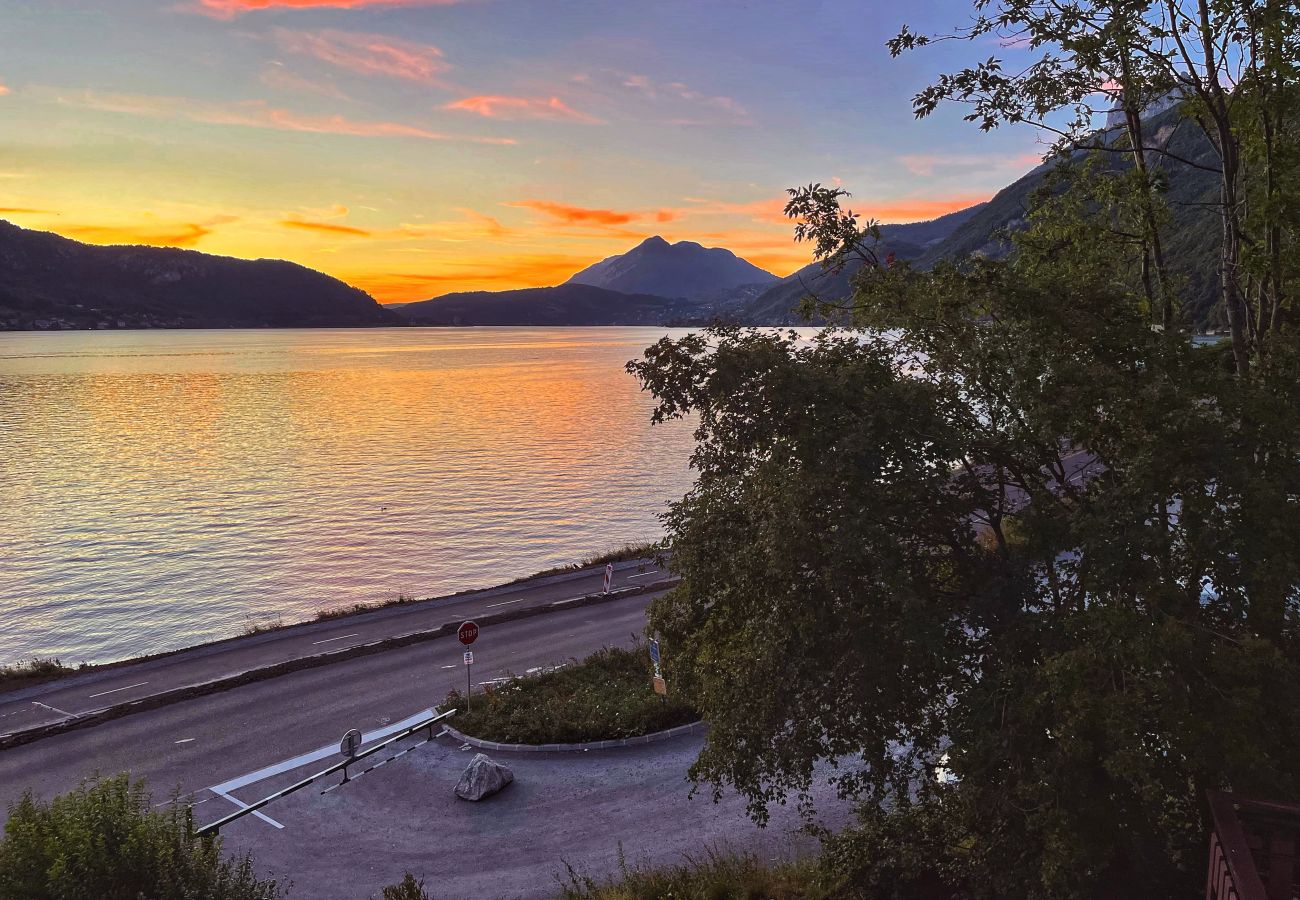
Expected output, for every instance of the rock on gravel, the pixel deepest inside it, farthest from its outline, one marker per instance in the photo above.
(482, 778)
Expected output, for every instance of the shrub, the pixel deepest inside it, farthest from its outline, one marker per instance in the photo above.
(409, 888)
(718, 875)
(105, 840)
(31, 671)
(606, 697)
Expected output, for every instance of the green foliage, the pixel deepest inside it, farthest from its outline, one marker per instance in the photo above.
(32, 671)
(104, 840)
(716, 875)
(409, 888)
(606, 696)
(1008, 532)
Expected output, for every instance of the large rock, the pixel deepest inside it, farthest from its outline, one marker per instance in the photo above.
(482, 778)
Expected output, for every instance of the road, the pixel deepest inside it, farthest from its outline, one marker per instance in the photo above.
(105, 687)
(210, 739)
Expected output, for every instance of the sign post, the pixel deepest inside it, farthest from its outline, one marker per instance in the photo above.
(660, 686)
(468, 634)
(609, 575)
(350, 746)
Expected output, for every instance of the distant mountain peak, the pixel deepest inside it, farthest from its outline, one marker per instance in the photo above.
(684, 269)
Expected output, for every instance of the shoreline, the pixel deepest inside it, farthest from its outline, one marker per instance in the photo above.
(329, 615)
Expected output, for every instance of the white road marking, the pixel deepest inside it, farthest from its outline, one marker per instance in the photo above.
(505, 603)
(184, 740)
(450, 667)
(570, 600)
(339, 638)
(242, 805)
(644, 574)
(115, 690)
(62, 712)
(287, 765)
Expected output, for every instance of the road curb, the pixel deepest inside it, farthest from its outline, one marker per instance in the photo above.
(617, 744)
(94, 673)
(265, 673)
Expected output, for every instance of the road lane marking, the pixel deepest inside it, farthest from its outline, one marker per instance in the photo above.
(62, 712)
(644, 574)
(505, 603)
(242, 805)
(450, 667)
(339, 638)
(115, 690)
(184, 740)
(296, 762)
(570, 600)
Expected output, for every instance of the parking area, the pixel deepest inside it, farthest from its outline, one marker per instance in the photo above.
(582, 809)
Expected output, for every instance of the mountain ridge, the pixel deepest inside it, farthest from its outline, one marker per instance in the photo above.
(684, 269)
(49, 281)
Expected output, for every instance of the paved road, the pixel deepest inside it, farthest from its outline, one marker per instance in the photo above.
(80, 694)
(208, 740)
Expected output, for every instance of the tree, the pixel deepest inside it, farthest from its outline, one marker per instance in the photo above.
(105, 840)
(1005, 560)
(1231, 65)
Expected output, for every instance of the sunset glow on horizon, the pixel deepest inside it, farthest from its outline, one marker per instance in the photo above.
(418, 147)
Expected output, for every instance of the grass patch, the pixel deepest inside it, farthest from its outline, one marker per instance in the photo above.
(31, 671)
(649, 550)
(351, 609)
(605, 697)
(717, 875)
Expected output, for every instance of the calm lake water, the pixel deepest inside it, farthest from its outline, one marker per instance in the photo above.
(163, 488)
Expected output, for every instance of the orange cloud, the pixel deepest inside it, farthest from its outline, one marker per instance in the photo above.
(256, 114)
(229, 9)
(488, 274)
(770, 209)
(3, 89)
(513, 108)
(367, 54)
(582, 215)
(920, 209)
(180, 235)
(19, 210)
(325, 227)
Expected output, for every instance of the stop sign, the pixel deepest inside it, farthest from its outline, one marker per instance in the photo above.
(468, 633)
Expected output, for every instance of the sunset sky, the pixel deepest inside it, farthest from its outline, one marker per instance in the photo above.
(417, 147)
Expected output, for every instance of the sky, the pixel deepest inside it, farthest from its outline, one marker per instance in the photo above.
(418, 147)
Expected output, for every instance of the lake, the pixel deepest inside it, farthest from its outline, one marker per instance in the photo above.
(159, 489)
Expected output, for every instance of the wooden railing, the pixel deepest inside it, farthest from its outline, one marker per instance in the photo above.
(1252, 849)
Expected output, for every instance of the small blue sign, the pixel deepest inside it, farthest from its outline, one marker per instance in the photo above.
(654, 652)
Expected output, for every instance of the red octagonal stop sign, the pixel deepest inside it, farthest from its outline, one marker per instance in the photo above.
(468, 633)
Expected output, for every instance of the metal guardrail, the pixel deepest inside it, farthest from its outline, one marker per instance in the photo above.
(214, 827)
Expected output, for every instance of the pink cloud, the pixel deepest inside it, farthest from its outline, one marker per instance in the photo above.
(229, 9)
(257, 114)
(514, 108)
(280, 78)
(367, 54)
(3, 89)
(929, 164)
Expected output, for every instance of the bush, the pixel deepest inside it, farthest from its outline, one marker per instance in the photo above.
(105, 840)
(409, 888)
(606, 697)
(719, 875)
(31, 671)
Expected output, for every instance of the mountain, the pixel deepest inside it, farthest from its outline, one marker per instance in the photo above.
(684, 269)
(778, 304)
(1189, 237)
(565, 304)
(48, 281)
